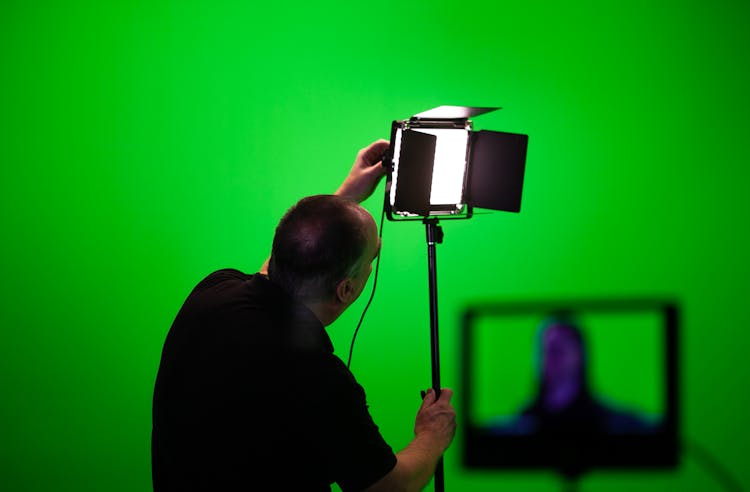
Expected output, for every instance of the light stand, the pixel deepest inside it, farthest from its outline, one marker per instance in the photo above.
(434, 236)
(438, 167)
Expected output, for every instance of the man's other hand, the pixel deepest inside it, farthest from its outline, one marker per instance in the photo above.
(436, 419)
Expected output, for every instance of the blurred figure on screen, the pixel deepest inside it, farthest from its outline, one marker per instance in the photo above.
(563, 403)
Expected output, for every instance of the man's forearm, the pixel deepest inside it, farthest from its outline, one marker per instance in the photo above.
(414, 468)
(419, 460)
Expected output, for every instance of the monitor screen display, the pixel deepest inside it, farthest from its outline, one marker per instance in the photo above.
(570, 385)
(447, 169)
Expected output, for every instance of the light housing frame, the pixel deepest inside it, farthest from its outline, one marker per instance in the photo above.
(489, 172)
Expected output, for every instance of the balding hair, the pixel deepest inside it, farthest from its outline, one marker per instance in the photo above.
(319, 242)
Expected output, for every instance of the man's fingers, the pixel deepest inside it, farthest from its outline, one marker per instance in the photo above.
(376, 171)
(374, 152)
(446, 395)
(429, 398)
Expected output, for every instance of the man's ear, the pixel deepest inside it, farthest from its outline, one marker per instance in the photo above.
(345, 291)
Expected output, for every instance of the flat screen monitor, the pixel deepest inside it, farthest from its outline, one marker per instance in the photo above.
(570, 385)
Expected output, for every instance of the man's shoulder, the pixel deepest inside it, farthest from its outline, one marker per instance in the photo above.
(225, 295)
(224, 275)
(227, 280)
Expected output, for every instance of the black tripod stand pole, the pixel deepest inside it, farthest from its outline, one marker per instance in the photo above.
(434, 236)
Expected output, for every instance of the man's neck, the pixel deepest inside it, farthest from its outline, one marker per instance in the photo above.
(324, 311)
(561, 395)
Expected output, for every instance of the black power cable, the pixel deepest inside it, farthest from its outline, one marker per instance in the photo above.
(372, 294)
(713, 466)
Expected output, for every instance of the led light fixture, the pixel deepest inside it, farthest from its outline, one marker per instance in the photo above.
(439, 167)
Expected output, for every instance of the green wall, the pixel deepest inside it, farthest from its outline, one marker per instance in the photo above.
(144, 144)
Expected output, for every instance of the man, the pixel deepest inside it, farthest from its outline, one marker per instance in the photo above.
(565, 404)
(249, 395)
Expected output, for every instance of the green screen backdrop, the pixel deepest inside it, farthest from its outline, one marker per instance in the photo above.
(144, 144)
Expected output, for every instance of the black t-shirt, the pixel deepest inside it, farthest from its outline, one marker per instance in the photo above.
(249, 395)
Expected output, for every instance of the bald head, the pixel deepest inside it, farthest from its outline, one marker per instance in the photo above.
(320, 241)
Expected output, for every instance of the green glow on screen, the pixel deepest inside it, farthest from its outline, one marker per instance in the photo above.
(625, 362)
(145, 144)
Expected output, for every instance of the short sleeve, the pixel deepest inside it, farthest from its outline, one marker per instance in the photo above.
(352, 449)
